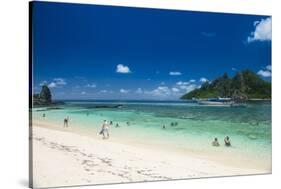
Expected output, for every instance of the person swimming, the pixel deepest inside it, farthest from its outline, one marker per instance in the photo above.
(172, 124)
(216, 142)
(176, 123)
(128, 123)
(227, 141)
(163, 127)
(111, 122)
(117, 125)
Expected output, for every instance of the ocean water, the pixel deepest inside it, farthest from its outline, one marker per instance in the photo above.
(249, 128)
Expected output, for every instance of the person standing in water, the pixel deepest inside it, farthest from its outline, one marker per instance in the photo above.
(105, 130)
(227, 141)
(65, 122)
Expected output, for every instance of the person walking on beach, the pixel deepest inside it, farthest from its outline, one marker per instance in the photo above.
(65, 122)
(216, 142)
(105, 130)
(227, 141)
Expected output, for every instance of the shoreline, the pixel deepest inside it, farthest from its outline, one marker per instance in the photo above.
(69, 145)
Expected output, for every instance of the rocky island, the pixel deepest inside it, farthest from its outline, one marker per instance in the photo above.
(245, 85)
(44, 98)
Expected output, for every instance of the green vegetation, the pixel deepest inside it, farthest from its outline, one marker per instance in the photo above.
(243, 86)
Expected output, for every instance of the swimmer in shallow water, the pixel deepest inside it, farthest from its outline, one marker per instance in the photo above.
(216, 142)
(65, 122)
(227, 141)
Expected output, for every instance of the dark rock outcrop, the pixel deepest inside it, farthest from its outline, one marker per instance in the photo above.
(44, 97)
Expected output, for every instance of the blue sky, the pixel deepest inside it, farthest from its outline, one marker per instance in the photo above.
(106, 52)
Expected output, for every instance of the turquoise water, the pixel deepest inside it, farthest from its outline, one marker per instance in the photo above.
(249, 128)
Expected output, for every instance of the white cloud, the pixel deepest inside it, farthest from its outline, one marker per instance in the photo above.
(103, 91)
(182, 83)
(122, 69)
(179, 83)
(268, 67)
(124, 91)
(203, 79)
(52, 85)
(56, 82)
(43, 83)
(166, 92)
(59, 81)
(190, 88)
(265, 72)
(92, 85)
(174, 89)
(186, 86)
(262, 31)
(160, 91)
(83, 92)
(175, 73)
(234, 69)
(139, 91)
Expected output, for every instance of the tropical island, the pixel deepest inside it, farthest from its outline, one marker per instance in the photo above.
(245, 85)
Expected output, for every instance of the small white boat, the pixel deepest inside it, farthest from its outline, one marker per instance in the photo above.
(216, 102)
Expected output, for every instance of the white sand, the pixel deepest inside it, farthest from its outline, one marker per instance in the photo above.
(67, 158)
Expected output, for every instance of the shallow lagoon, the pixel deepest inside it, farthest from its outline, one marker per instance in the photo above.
(249, 128)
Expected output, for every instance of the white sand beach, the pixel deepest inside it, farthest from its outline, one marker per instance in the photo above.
(69, 157)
